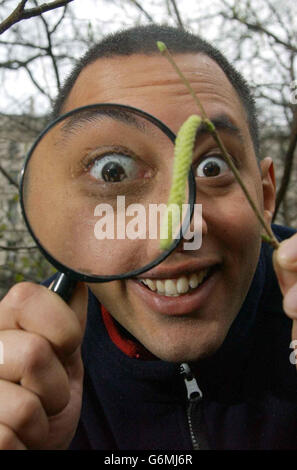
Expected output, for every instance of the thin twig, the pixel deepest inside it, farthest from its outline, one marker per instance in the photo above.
(184, 80)
(17, 64)
(177, 14)
(258, 28)
(211, 128)
(8, 177)
(50, 49)
(17, 248)
(148, 16)
(34, 81)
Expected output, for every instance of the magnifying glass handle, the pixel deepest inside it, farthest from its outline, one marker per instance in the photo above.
(63, 286)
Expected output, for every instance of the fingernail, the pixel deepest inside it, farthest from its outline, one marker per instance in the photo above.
(287, 252)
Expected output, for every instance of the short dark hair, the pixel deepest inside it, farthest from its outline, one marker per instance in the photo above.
(142, 40)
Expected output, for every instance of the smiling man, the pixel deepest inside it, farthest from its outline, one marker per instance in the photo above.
(195, 352)
(169, 326)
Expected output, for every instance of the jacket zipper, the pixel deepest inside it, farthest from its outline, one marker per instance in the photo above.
(194, 410)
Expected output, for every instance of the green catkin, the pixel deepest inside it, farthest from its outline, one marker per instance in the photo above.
(161, 46)
(183, 151)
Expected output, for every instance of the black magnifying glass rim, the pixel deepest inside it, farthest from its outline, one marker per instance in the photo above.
(76, 275)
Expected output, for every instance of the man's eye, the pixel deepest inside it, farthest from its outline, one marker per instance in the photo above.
(113, 168)
(212, 166)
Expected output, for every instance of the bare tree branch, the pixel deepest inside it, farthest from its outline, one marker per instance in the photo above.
(34, 81)
(259, 28)
(50, 49)
(17, 248)
(20, 13)
(280, 20)
(137, 4)
(16, 64)
(8, 177)
(178, 17)
(23, 44)
(54, 29)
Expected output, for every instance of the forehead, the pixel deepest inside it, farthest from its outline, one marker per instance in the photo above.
(151, 84)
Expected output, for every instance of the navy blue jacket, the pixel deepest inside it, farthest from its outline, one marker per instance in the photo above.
(249, 385)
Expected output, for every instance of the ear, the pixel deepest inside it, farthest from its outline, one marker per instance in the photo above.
(268, 188)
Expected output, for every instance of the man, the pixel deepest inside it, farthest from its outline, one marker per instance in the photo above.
(236, 388)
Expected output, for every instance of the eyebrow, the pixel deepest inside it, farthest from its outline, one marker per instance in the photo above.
(78, 119)
(222, 122)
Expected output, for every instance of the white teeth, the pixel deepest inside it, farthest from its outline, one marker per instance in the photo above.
(182, 285)
(193, 281)
(151, 284)
(175, 287)
(160, 287)
(170, 287)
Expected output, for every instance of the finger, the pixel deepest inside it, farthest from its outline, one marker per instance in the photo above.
(9, 440)
(79, 298)
(31, 362)
(290, 302)
(79, 303)
(287, 253)
(23, 414)
(287, 276)
(36, 309)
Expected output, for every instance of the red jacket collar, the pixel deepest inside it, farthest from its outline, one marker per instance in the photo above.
(127, 346)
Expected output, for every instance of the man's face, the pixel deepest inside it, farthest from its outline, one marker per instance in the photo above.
(193, 324)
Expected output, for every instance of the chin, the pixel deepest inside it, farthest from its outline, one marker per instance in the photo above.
(186, 349)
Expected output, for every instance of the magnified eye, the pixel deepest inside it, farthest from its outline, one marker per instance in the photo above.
(114, 167)
(212, 166)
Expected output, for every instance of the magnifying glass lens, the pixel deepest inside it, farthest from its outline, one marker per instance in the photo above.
(95, 189)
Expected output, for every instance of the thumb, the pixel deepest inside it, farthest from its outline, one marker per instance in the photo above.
(285, 263)
(286, 277)
(79, 303)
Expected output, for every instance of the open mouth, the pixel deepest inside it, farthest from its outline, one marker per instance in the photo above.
(184, 292)
(185, 284)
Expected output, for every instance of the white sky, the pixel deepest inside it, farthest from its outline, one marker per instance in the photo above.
(106, 16)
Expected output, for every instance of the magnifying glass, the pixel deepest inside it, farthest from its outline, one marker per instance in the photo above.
(93, 192)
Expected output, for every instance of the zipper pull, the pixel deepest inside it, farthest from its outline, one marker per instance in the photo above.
(193, 390)
(194, 411)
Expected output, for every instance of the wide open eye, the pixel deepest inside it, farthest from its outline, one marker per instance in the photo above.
(211, 166)
(114, 168)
